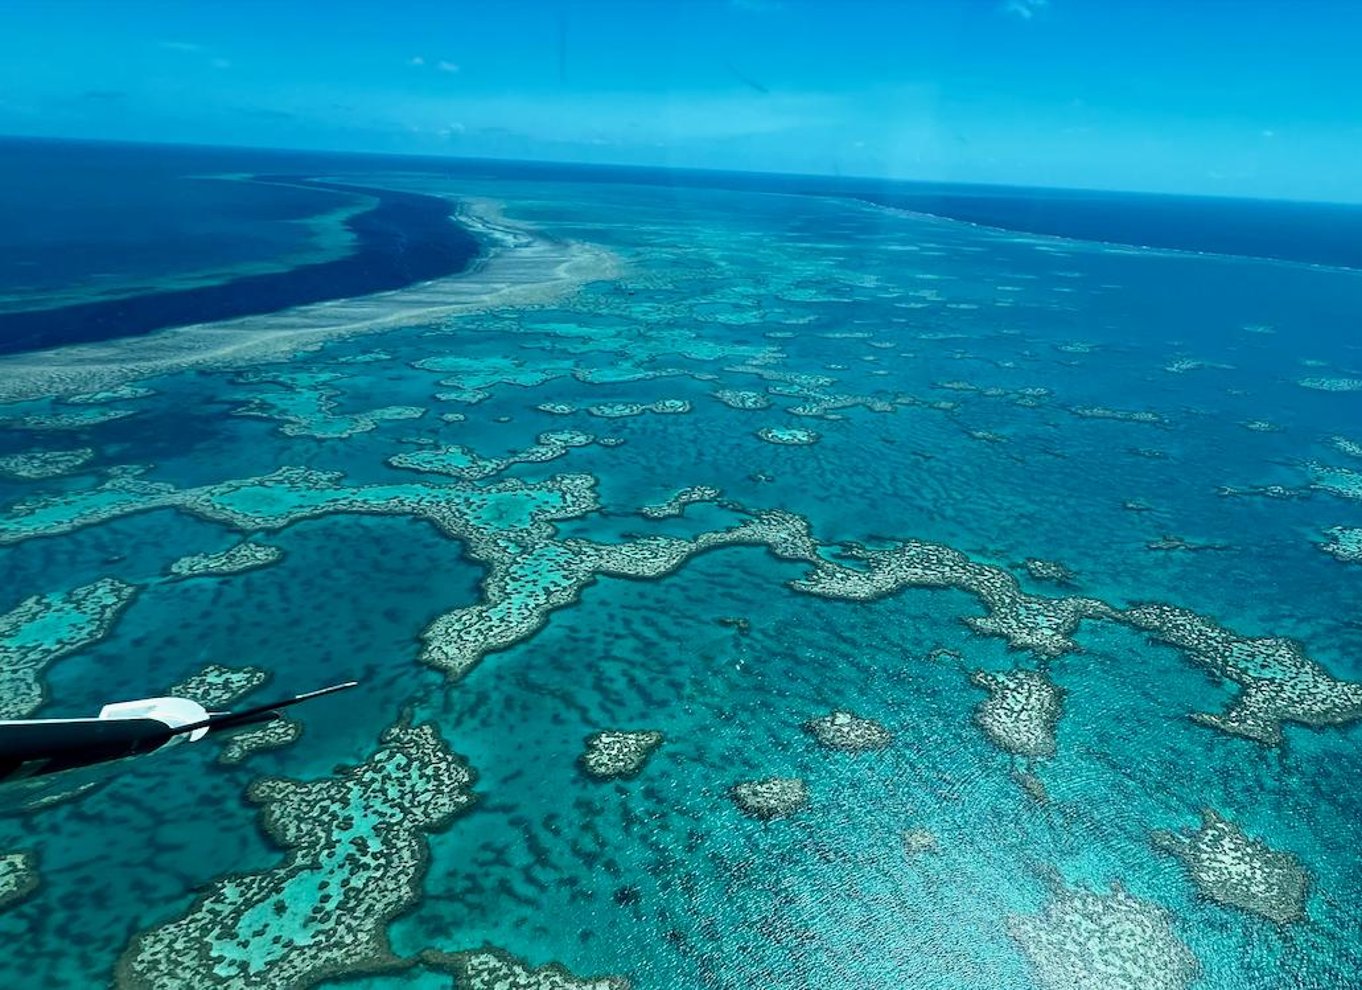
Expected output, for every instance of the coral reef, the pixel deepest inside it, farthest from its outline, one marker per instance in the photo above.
(291, 494)
(917, 841)
(1324, 384)
(622, 410)
(1042, 625)
(1344, 543)
(788, 436)
(356, 857)
(530, 577)
(1089, 941)
(462, 462)
(310, 411)
(1102, 412)
(1049, 570)
(119, 393)
(1346, 446)
(18, 877)
(1233, 869)
(849, 733)
(741, 399)
(616, 753)
(37, 465)
(496, 969)
(274, 734)
(1278, 682)
(1020, 714)
(75, 419)
(773, 797)
(508, 527)
(676, 505)
(1340, 481)
(45, 628)
(217, 686)
(242, 557)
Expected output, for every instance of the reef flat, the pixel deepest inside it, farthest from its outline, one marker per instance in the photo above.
(324, 911)
(45, 628)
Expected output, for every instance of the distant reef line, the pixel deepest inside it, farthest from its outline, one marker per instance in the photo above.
(517, 265)
(398, 238)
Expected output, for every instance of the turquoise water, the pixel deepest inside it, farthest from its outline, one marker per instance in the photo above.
(967, 386)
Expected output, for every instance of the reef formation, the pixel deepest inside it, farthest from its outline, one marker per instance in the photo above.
(356, 856)
(617, 753)
(1236, 870)
(44, 628)
(1088, 941)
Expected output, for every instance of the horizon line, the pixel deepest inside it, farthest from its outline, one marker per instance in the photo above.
(663, 169)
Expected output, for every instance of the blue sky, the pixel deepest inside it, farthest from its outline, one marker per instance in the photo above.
(1244, 98)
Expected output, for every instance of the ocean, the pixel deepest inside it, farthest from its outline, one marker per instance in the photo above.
(751, 581)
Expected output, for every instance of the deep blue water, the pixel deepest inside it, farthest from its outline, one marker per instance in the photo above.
(155, 219)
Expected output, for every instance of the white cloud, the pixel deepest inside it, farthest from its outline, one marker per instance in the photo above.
(1025, 9)
(448, 66)
(416, 60)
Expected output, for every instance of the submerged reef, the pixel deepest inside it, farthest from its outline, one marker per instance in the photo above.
(1235, 870)
(624, 410)
(741, 399)
(617, 753)
(462, 462)
(496, 969)
(849, 733)
(1278, 682)
(774, 797)
(1044, 626)
(45, 628)
(1050, 571)
(356, 857)
(676, 505)
(1020, 714)
(39, 465)
(18, 877)
(1113, 941)
(291, 494)
(531, 577)
(917, 841)
(1346, 446)
(1325, 384)
(788, 436)
(242, 557)
(1123, 415)
(1341, 481)
(119, 393)
(508, 527)
(74, 419)
(217, 686)
(311, 412)
(274, 734)
(1345, 544)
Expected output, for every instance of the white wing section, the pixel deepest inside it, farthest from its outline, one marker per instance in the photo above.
(174, 712)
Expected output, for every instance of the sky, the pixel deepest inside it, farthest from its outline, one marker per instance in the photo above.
(1246, 98)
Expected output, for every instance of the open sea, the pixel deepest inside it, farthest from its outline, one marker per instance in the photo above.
(752, 581)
